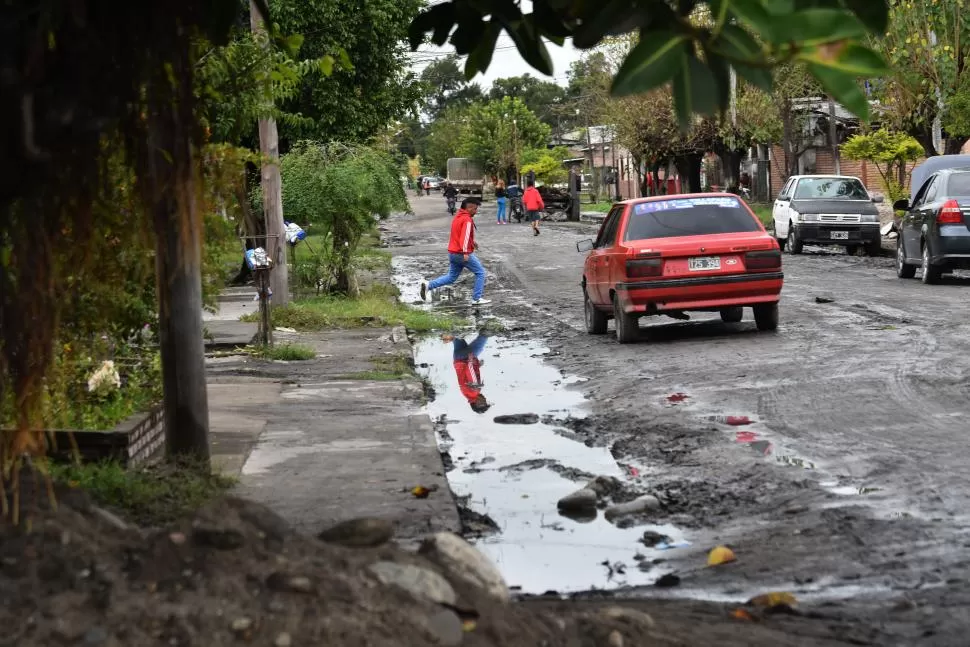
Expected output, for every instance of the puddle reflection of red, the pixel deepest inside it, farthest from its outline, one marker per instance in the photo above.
(737, 421)
(677, 397)
(634, 472)
(746, 436)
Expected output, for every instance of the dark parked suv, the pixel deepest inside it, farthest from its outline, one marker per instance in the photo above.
(934, 232)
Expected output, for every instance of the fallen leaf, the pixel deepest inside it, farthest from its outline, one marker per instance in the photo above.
(742, 614)
(774, 599)
(468, 625)
(720, 555)
(420, 492)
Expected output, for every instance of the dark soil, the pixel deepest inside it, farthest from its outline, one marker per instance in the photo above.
(235, 574)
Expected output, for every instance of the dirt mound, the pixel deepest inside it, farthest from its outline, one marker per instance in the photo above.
(235, 574)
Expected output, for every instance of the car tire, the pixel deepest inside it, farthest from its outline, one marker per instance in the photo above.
(794, 245)
(766, 316)
(874, 248)
(732, 315)
(903, 269)
(931, 273)
(596, 320)
(627, 326)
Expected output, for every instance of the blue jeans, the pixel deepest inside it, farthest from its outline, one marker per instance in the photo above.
(501, 210)
(456, 265)
(462, 349)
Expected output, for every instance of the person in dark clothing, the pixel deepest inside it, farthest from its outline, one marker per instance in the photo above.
(501, 195)
(465, 357)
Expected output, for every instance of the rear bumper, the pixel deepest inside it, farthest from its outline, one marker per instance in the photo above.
(819, 233)
(699, 292)
(951, 246)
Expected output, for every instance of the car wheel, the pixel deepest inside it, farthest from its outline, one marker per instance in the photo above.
(874, 248)
(903, 269)
(931, 273)
(595, 319)
(766, 316)
(627, 326)
(732, 315)
(794, 245)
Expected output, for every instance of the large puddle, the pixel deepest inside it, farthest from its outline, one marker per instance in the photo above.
(516, 473)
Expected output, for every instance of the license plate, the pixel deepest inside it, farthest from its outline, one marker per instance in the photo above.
(701, 263)
(839, 235)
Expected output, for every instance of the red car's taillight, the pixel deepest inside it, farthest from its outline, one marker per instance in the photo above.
(644, 268)
(763, 260)
(950, 214)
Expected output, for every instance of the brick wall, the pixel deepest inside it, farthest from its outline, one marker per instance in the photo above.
(824, 165)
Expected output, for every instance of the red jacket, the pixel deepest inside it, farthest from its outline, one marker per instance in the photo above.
(469, 377)
(532, 201)
(462, 234)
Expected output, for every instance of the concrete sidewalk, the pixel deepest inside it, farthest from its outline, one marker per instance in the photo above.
(318, 444)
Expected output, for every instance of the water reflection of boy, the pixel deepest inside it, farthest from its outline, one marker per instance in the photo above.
(468, 369)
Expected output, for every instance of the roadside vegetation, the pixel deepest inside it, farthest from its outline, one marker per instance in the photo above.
(286, 352)
(151, 496)
(386, 369)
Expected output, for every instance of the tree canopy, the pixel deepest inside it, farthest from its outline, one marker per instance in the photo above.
(752, 36)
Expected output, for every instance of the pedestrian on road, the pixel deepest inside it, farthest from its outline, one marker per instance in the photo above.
(534, 205)
(465, 358)
(501, 196)
(461, 253)
(427, 186)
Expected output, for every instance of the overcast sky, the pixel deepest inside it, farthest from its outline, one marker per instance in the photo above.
(506, 61)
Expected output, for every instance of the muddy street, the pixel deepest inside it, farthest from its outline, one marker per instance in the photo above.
(831, 455)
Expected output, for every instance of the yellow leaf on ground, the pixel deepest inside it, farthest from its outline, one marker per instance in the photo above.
(742, 614)
(468, 625)
(720, 555)
(420, 492)
(774, 599)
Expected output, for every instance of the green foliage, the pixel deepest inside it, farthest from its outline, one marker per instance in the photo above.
(545, 98)
(339, 191)
(752, 36)
(148, 497)
(498, 131)
(352, 104)
(375, 307)
(889, 151)
(446, 138)
(445, 87)
(546, 164)
(286, 352)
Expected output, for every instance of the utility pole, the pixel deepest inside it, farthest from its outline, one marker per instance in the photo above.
(833, 142)
(269, 146)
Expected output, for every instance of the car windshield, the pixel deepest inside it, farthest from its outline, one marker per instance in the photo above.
(688, 217)
(959, 185)
(830, 188)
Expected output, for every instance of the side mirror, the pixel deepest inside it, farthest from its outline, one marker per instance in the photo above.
(878, 199)
(901, 205)
(584, 245)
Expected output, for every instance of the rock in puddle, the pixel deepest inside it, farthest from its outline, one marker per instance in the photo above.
(462, 561)
(629, 615)
(651, 538)
(667, 581)
(359, 533)
(418, 581)
(604, 486)
(583, 499)
(517, 419)
(640, 504)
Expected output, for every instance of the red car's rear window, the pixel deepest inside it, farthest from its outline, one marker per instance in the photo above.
(688, 217)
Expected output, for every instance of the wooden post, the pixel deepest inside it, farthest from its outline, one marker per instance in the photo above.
(272, 185)
(178, 262)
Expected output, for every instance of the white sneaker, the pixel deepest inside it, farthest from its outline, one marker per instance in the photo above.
(481, 302)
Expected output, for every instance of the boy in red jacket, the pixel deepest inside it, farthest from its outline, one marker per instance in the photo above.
(534, 205)
(461, 254)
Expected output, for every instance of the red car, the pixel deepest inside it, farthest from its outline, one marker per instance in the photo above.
(668, 255)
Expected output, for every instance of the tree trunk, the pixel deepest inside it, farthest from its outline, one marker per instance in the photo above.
(343, 258)
(953, 146)
(787, 143)
(249, 228)
(689, 168)
(730, 166)
(925, 137)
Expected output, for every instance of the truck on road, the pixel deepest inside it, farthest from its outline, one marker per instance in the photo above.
(466, 175)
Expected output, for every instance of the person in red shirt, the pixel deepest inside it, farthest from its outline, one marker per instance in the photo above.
(465, 358)
(534, 205)
(461, 254)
